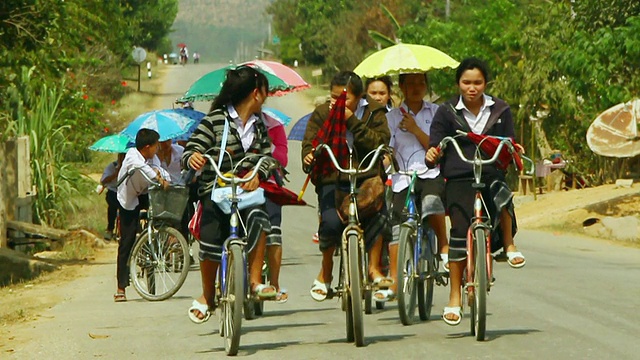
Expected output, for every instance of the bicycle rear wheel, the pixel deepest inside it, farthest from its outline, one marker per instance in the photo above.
(254, 307)
(233, 299)
(406, 281)
(158, 267)
(355, 283)
(479, 308)
(428, 267)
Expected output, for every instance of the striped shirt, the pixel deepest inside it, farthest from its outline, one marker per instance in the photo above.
(207, 138)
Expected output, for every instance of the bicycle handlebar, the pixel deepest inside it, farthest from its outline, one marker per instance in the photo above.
(411, 172)
(352, 171)
(476, 160)
(236, 180)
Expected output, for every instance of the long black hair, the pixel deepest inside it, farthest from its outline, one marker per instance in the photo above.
(238, 84)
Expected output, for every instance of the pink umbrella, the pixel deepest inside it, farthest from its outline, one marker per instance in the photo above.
(287, 74)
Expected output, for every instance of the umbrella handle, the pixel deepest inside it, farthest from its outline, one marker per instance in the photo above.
(304, 187)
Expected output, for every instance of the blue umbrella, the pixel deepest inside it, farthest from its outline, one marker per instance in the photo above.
(190, 130)
(299, 128)
(277, 115)
(116, 143)
(169, 123)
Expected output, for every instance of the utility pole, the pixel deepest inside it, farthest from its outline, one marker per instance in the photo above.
(447, 10)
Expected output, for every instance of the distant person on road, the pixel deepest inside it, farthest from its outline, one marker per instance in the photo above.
(475, 111)
(109, 181)
(239, 105)
(130, 189)
(184, 56)
(196, 57)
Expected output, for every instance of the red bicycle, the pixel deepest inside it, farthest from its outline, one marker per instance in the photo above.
(479, 269)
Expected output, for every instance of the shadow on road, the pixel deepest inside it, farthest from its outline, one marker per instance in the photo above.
(253, 348)
(269, 313)
(491, 335)
(368, 340)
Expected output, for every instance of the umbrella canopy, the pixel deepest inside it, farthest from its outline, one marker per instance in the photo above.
(282, 71)
(117, 143)
(615, 131)
(404, 58)
(277, 115)
(209, 85)
(299, 128)
(169, 123)
(182, 45)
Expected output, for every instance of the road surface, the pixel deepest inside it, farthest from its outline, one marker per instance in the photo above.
(576, 298)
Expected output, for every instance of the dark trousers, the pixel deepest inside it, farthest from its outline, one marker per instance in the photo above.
(112, 209)
(129, 220)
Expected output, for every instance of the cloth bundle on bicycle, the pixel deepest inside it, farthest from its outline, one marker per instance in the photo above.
(370, 199)
(246, 199)
(489, 145)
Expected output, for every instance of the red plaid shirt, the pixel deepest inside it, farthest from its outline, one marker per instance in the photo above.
(333, 133)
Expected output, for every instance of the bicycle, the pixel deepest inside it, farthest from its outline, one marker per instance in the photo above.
(353, 280)
(232, 279)
(479, 268)
(418, 263)
(159, 260)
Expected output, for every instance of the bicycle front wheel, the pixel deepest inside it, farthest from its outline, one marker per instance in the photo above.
(427, 269)
(355, 282)
(158, 266)
(406, 280)
(479, 310)
(233, 299)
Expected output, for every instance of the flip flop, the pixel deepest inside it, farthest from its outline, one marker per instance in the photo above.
(119, 297)
(202, 308)
(455, 310)
(383, 282)
(259, 291)
(282, 296)
(387, 295)
(445, 261)
(318, 286)
(511, 255)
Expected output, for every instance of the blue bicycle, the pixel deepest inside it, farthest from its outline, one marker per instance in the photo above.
(232, 285)
(418, 263)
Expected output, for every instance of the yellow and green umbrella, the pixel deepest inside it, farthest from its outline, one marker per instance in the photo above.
(404, 59)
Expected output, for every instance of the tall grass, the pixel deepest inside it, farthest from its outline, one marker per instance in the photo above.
(35, 114)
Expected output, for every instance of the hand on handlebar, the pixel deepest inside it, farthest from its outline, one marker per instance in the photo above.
(433, 156)
(308, 159)
(197, 161)
(251, 184)
(519, 148)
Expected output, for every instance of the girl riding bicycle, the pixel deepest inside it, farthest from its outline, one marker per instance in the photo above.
(239, 103)
(366, 128)
(472, 111)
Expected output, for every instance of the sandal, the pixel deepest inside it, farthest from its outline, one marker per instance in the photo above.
(202, 308)
(512, 255)
(262, 291)
(282, 296)
(445, 261)
(384, 295)
(319, 291)
(119, 297)
(383, 282)
(452, 310)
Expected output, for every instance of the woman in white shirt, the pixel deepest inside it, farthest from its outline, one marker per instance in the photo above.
(409, 125)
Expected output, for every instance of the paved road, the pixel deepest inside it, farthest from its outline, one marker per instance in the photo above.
(574, 299)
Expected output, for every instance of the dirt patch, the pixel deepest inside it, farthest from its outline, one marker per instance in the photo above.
(565, 211)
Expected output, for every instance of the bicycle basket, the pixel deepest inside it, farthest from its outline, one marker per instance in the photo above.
(168, 204)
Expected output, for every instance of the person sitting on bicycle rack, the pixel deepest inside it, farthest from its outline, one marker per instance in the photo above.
(472, 111)
(239, 103)
(130, 188)
(366, 128)
(409, 125)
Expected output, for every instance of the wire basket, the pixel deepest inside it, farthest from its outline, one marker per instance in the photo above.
(168, 204)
